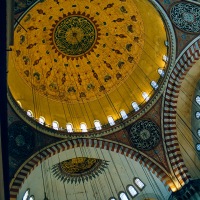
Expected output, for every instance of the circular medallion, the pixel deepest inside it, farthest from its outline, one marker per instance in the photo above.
(74, 35)
(144, 135)
(185, 16)
(21, 140)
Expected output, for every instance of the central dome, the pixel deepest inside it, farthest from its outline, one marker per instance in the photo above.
(82, 61)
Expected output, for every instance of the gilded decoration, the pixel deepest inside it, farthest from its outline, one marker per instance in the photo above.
(144, 135)
(67, 51)
(75, 35)
(77, 85)
(79, 169)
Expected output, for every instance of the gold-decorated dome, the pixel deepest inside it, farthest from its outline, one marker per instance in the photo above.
(80, 61)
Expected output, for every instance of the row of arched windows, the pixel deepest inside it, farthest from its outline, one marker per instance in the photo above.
(198, 117)
(198, 102)
(97, 124)
(131, 190)
(83, 126)
(122, 195)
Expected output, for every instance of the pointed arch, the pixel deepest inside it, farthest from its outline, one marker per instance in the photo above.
(185, 61)
(51, 150)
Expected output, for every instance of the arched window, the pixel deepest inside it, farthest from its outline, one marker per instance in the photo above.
(198, 115)
(139, 183)
(198, 99)
(198, 147)
(123, 114)
(69, 127)
(83, 127)
(30, 113)
(154, 85)
(198, 132)
(135, 106)
(26, 195)
(165, 58)
(145, 96)
(97, 124)
(32, 197)
(111, 120)
(161, 72)
(55, 125)
(123, 196)
(41, 120)
(112, 198)
(133, 192)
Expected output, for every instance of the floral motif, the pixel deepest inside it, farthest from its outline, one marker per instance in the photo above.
(144, 135)
(186, 17)
(74, 35)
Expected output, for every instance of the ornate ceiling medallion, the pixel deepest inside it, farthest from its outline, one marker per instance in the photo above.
(75, 35)
(144, 135)
(186, 17)
(79, 169)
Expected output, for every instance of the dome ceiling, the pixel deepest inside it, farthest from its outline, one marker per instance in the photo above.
(80, 61)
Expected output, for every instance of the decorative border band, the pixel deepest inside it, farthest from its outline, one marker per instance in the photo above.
(183, 65)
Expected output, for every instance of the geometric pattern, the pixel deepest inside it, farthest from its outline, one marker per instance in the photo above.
(183, 65)
(36, 159)
(186, 16)
(144, 135)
